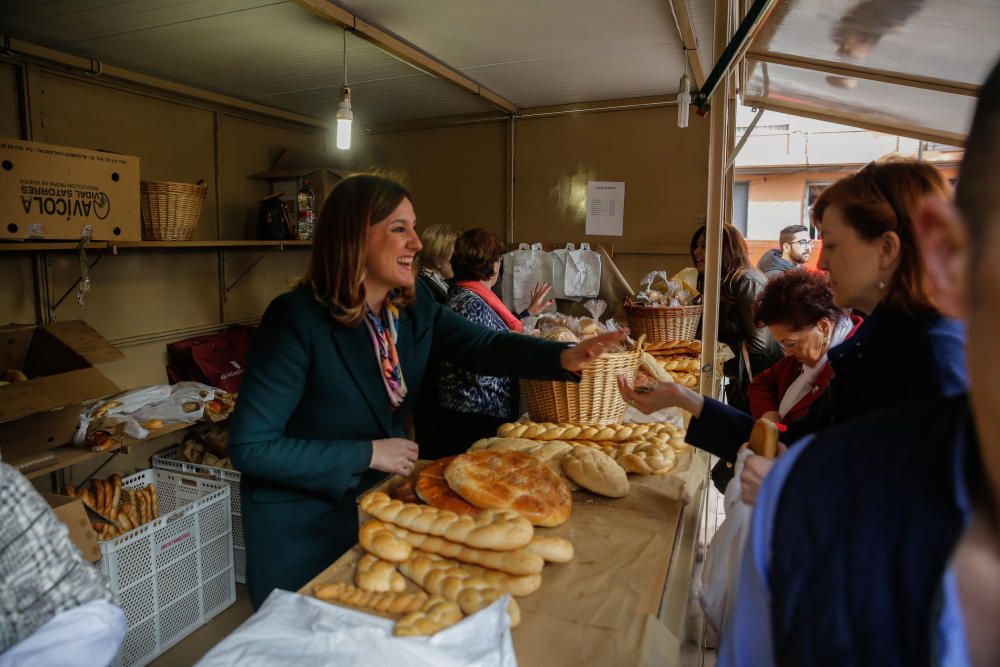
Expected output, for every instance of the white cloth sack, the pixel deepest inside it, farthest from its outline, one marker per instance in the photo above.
(721, 573)
(291, 629)
(583, 273)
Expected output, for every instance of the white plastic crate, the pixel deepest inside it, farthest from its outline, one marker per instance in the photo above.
(175, 573)
(167, 460)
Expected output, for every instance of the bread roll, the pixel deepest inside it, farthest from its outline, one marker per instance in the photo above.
(376, 539)
(553, 549)
(14, 375)
(764, 438)
(377, 575)
(596, 471)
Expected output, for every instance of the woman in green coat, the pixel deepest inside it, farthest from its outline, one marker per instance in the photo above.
(333, 371)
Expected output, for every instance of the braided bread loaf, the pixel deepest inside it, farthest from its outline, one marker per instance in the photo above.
(436, 615)
(377, 540)
(490, 529)
(450, 582)
(612, 432)
(515, 561)
(386, 603)
(517, 585)
(377, 575)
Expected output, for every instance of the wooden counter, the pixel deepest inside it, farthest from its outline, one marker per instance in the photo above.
(623, 599)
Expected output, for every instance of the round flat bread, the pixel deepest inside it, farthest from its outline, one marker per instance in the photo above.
(511, 480)
(432, 488)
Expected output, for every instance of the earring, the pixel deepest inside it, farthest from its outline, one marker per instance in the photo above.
(881, 285)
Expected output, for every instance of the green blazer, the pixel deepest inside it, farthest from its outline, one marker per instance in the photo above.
(311, 402)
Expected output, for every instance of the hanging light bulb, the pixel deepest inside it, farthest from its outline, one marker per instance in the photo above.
(683, 101)
(340, 135)
(344, 119)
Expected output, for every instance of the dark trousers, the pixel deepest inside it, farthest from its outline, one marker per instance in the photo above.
(456, 432)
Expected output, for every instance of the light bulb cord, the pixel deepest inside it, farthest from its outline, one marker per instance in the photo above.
(345, 56)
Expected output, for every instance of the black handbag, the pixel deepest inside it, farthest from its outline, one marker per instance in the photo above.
(273, 221)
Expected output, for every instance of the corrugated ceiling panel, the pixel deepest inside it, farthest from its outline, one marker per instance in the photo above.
(944, 39)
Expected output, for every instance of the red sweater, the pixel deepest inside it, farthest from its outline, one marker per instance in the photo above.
(768, 387)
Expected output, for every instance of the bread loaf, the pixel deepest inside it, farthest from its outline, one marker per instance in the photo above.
(552, 549)
(376, 539)
(516, 585)
(433, 489)
(386, 603)
(450, 582)
(596, 471)
(377, 575)
(516, 561)
(511, 480)
(613, 432)
(436, 615)
(549, 452)
(494, 529)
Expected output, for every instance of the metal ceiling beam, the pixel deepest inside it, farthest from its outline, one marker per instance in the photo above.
(686, 30)
(858, 71)
(404, 51)
(832, 115)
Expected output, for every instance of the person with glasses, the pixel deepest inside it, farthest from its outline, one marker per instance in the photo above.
(796, 248)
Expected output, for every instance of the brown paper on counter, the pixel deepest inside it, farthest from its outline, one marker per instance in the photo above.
(548, 641)
(618, 570)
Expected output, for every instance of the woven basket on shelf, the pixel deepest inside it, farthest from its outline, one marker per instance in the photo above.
(661, 324)
(170, 211)
(594, 400)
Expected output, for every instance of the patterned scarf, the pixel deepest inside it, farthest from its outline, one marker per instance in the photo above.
(384, 338)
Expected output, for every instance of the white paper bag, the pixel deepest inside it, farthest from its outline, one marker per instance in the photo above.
(291, 629)
(720, 576)
(583, 273)
(507, 283)
(559, 258)
(530, 269)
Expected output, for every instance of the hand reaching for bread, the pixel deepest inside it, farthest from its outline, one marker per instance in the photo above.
(539, 298)
(582, 354)
(662, 395)
(394, 455)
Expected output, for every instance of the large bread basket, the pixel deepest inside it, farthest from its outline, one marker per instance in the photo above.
(662, 324)
(594, 400)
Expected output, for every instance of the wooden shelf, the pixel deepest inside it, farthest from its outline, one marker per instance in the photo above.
(45, 246)
(115, 246)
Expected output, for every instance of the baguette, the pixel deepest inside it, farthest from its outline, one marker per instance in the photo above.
(436, 615)
(109, 491)
(515, 561)
(552, 549)
(517, 585)
(116, 496)
(450, 582)
(143, 508)
(377, 575)
(87, 497)
(98, 495)
(490, 529)
(377, 540)
(124, 523)
(386, 603)
(154, 504)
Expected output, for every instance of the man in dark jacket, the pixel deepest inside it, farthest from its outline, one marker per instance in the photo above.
(878, 541)
(796, 248)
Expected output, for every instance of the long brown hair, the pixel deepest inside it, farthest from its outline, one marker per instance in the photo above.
(735, 257)
(884, 196)
(340, 245)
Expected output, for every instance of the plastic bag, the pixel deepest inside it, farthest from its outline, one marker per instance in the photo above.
(508, 261)
(583, 273)
(291, 629)
(530, 269)
(560, 257)
(720, 576)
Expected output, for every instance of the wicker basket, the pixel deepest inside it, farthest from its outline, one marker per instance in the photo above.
(170, 211)
(661, 324)
(594, 400)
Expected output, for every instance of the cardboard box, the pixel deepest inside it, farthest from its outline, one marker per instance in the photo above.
(72, 513)
(52, 192)
(58, 359)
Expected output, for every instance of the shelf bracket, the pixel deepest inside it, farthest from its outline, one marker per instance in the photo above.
(247, 271)
(83, 283)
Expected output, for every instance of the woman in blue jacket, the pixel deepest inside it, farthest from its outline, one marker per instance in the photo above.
(333, 371)
(904, 351)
